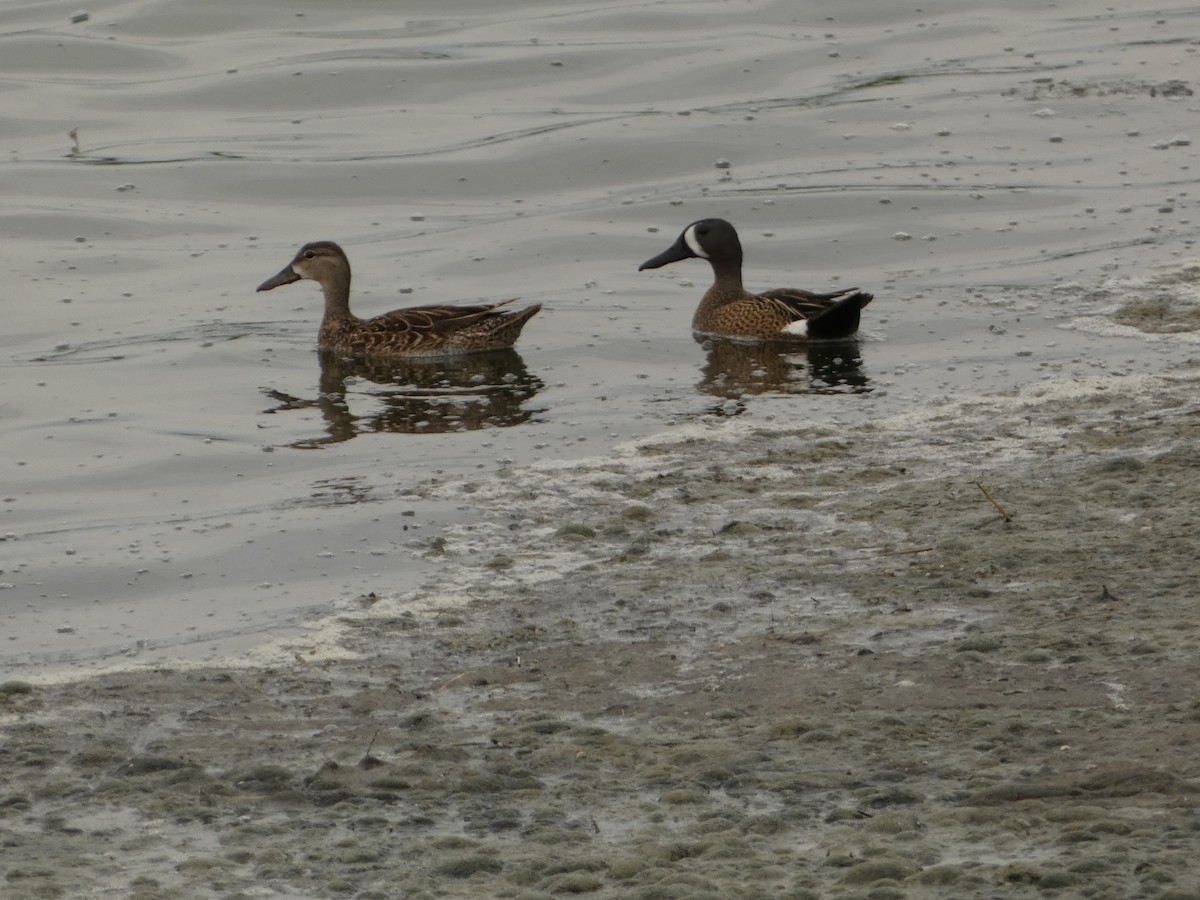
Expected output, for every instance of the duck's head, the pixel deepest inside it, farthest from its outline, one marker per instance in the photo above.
(320, 261)
(711, 239)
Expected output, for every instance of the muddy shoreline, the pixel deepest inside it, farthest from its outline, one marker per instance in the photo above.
(930, 637)
(794, 661)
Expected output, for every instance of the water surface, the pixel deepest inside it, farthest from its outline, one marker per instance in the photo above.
(185, 477)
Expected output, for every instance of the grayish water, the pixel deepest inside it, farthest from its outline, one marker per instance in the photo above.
(181, 479)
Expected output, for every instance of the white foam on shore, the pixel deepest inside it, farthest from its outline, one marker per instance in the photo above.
(1106, 327)
(1177, 285)
(521, 513)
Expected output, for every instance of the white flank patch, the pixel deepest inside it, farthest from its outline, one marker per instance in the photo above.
(798, 328)
(689, 238)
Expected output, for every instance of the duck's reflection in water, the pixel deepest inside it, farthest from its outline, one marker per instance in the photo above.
(418, 396)
(734, 370)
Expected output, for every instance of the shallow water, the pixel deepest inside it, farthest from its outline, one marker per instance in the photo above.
(183, 477)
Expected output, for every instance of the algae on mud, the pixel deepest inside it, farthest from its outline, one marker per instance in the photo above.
(884, 687)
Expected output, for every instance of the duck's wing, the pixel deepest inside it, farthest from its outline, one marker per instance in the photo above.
(827, 316)
(802, 304)
(433, 320)
(432, 331)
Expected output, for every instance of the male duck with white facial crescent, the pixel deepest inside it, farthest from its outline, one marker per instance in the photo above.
(782, 315)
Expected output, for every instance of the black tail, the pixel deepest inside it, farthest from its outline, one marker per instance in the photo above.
(840, 320)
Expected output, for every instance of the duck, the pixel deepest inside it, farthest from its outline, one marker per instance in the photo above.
(416, 331)
(782, 315)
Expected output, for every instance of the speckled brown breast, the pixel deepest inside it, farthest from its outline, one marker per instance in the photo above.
(754, 317)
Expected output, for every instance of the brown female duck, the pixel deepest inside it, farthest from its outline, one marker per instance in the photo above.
(784, 315)
(415, 331)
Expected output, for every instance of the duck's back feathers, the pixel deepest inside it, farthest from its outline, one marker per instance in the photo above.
(429, 330)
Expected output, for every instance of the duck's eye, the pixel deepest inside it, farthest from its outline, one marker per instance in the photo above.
(308, 254)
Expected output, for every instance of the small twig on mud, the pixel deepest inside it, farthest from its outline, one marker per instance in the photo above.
(1080, 616)
(451, 681)
(368, 761)
(906, 550)
(1003, 514)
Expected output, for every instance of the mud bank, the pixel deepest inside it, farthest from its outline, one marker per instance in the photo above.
(735, 660)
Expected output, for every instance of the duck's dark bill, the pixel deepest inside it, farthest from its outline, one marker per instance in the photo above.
(677, 251)
(287, 276)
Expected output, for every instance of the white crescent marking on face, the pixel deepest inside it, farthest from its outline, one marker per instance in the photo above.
(798, 328)
(689, 238)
